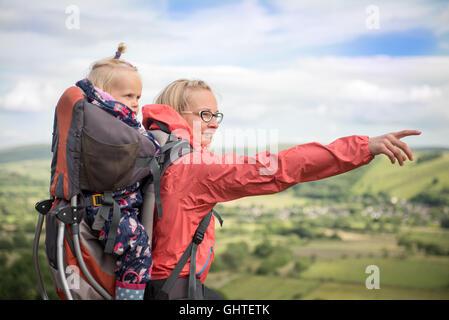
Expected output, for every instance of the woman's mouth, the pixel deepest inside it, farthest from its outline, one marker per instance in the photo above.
(208, 134)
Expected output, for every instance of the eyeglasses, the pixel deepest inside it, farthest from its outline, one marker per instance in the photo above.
(207, 115)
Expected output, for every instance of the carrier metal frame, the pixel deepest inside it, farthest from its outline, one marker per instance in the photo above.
(67, 216)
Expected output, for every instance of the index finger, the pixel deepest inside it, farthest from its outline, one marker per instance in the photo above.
(405, 133)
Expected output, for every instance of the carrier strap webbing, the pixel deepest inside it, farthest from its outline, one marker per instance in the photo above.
(190, 252)
(108, 202)
(156, 171)
(69, 239)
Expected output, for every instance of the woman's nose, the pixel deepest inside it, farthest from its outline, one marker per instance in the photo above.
(213, 123)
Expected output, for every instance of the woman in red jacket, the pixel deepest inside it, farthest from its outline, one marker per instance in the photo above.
(195, 183)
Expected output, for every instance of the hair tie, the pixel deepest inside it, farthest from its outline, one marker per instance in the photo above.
(121, 48)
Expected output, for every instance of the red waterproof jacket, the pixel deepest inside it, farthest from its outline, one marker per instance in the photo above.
(195, 183)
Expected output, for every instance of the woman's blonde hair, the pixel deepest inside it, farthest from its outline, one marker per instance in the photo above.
(177, 93)
(103, 72)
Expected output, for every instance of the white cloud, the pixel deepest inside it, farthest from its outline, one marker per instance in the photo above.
(376, 86)
(251, 55)
(231, 33)
(327, 97)
(363, 91)
(31, 96)
(347, 19)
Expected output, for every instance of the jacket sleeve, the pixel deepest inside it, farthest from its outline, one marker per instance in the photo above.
(230, 177)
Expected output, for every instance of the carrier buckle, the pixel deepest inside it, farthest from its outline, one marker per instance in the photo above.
(97, 199)
(198, 237)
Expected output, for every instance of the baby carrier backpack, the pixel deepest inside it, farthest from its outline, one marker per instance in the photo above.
(95, 152)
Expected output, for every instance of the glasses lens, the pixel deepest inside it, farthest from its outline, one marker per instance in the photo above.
(206, 115)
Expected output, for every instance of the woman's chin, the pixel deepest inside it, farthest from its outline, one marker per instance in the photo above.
(206, 140)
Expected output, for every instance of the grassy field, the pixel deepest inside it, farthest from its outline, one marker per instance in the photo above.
(338, 270)
(428, 235)
(344, 291)
(420, 273)
(336, 260)
(249, 287)
(271, 201)
(416, 278)
(253, 287)
(22, 185)
(352, 245)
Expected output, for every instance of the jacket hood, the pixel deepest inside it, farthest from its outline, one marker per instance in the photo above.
(169, 116)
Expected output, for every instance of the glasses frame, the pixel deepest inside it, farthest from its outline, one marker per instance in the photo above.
(201, 113)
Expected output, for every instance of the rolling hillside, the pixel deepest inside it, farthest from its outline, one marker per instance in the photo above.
(327, 262)
(29, 152)
(428, 173)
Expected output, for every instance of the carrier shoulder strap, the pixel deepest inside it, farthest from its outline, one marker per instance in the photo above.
(190, 252)
(172, 148)
(169, 153)
(151, 187)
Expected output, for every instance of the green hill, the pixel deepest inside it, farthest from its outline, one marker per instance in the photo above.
(28, 152)
(427, 176)
(428, 173)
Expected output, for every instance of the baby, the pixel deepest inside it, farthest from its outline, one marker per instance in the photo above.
(115, 86)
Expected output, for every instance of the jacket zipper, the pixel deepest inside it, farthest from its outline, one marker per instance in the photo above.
(207, 261)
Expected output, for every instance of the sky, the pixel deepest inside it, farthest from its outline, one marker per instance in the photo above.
(306, 70)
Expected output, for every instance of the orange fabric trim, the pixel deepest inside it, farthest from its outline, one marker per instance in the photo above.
(105, 280)
(61, 294)
(64, 110)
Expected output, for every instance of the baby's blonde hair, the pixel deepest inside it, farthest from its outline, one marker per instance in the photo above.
(177, 93)
(103, 72)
